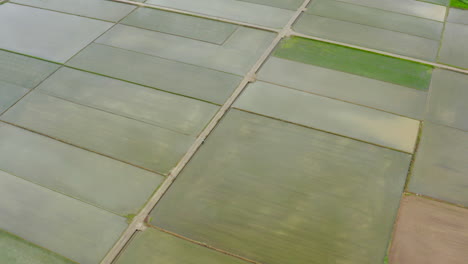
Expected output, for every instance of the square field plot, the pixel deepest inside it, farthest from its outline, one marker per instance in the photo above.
(447, 103)
(278, 193)
(429, 232)
(453, 50)
(440, 169)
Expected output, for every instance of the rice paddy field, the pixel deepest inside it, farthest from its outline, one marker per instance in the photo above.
(234, 132)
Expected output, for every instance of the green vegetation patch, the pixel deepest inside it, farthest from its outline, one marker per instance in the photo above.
(130, 218)
(436, 2)
(14, 250)
(463, 4)
(363, 63)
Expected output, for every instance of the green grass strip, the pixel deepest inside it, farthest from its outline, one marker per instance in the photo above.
(363, 63)
(459, 4)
